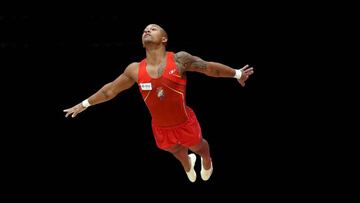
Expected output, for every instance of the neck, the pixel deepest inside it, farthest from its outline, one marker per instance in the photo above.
(155, 55)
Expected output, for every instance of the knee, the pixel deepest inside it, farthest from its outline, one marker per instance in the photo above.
(203, 143)
(176, 149)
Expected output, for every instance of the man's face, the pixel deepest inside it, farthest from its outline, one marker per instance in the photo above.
(153, 34)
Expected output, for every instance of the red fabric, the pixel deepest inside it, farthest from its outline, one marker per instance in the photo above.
(187, 134)
(172, 121)
(166, 99)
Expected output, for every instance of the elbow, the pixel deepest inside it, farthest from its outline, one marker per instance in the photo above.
(108, 92)
(107, 95)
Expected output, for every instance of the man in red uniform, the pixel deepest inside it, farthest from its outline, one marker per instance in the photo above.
(161, 78)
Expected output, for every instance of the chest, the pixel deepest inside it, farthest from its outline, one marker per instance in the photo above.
(155, 71)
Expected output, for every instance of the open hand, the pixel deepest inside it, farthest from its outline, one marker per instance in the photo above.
(73, 111)
(246, 72)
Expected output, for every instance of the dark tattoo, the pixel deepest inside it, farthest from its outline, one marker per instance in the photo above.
(179, 68)
(198, 64)
(179, 65)
(186, 61)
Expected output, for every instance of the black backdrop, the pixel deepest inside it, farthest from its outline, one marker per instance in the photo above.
(109, 149)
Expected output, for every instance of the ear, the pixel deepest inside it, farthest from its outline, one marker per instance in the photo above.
(164, 40)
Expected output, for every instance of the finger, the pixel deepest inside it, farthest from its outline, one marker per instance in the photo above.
(74, 114)
(242, 83)
(67, 114)
(243, 68)
(249, 71)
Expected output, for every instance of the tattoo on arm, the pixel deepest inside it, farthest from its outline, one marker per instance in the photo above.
(186, 61)
(198, 64)
(179, 63)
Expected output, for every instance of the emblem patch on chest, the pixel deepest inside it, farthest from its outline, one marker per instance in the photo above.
(160, 93)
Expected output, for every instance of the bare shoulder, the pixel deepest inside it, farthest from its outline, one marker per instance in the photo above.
(182, 57)
(182, 60)
(181, 54)
(132, 71)
(188, 62)
(132, 66)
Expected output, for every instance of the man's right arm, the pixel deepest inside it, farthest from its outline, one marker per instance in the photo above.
(108, 91)
(111, 89)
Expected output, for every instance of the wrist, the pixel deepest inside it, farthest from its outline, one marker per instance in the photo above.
(238, 74)
(85, 103)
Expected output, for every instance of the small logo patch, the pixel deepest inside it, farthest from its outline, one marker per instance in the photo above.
(145, 86)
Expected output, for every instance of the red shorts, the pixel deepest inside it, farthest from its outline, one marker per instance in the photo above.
(186, 134)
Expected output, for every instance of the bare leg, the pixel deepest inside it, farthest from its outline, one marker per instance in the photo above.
(181, 153)
(203, 150)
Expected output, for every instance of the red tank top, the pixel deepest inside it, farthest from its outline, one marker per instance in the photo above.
(164, 96)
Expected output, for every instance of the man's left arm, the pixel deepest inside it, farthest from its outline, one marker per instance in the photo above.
(188, 62)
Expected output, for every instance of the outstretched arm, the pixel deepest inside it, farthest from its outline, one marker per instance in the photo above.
(107, 92)
(188, 62)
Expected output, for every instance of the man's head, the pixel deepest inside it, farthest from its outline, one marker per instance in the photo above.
(154, 34)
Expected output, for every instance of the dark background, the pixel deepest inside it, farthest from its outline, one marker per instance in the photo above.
(59, 60)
